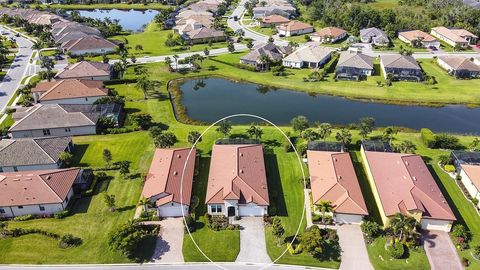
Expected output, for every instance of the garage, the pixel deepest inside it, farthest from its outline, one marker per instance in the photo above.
(171, 210)
(436, 225)
(251, 210)
(348, 218)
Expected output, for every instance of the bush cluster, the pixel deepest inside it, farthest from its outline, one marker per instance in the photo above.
(61, 214)
(396, 250)
(23, 218)
(219, 222)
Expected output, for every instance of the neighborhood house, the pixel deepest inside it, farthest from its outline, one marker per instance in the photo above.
(375, 36)
(401, 67)
(86, 70)
(328, 35)
(311, 55)
(263, 55)
(459, 66)
(467, 165)
(417, 38)
(454, 37)
(294, 28)
(272, 20)
(89, 45)
(354, 66)
(70, 91)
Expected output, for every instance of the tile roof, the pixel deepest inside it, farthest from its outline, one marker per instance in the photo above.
(459, 63)
(416, 34)
(311, 52)
(373, 32)
(473, 173)
(293, 26)
(237, 172)
(270, 49)
(39, 151)
(449, 34)
(88, 43)
(84, 69)
(333, 179)
(70, 88)
(275, 19)
(329, 32)
(36, 187)
(204, 32)
(355, 59)
(399, 61)
(165, 176)
(404, 183)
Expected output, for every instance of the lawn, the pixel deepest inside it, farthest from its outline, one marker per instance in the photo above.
(267, 31)
(397, 44)
(48, 53)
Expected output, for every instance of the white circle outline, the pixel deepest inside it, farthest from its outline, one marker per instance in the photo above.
(183, 174)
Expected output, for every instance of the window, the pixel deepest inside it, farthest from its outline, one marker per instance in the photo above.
(20, 207)
(2, 211)
(216, 208)
(46, 132)
(67, 130)
(42, 208)
(1, 169)
(15, 169)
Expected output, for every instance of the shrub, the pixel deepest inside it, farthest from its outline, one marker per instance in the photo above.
(446, 141)
(371, 229)
(476, 252)
(449, 168)
(23, 218)
(444, 159)
(69, 240)
(428, 137)
(216, 223)
(396, 250)
(295, 250)
(465, 262)
(190, 223)
(61, 214)
(475, 201)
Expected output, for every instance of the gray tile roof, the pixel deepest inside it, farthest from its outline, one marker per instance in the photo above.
(32, 151)
(271, 50)
(459, 63)
(356, 60)
(399, 61)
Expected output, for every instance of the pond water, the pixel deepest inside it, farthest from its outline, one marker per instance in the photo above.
(213, 98)
(133, 20)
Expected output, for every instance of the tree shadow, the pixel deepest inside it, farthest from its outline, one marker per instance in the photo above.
(78, 152)
(239, 135)
(275, 190)
(126, 208)
(200, 183)
(145, 249)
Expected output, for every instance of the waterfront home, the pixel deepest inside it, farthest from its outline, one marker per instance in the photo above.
(294, 28)
(333, 179)
(168, 183)
(374, 36)
(467, 165)
(459, 66)
(328, 35)
(310, 55)
(354, 66)
(89, 45)
(86, 70)
(33, 154)
(204, 35)
(417, 38)
(401, 67)
(402, 183)
(272, 20)
(257, 56)
(69, 91)
(454, 36)
(237, 182)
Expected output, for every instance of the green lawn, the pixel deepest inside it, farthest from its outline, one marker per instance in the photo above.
(48, 53)
(267, 31)
(397, 44)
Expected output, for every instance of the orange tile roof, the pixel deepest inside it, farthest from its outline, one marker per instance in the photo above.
(417, 34)
(294, 26)
(84, 69)
(404, 182)
(275, 19)
(330, 31)
(237, 172)
(36, 187)
(473, 172)
(333, 179)
(164, 177)
(70, 88)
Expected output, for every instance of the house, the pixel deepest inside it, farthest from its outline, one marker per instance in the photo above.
(188, 13)
(168, 184)
(354, 65)
(207, 21)
(328, 35)
(333, 179)
(54, 120)
(459, 66)
(375, 36)
(310, 55)
(417, 38)
(237, 182)
(294, 28)
(273, 52)
(467, 165)
(89, 45)
(33, 154)
(454, 37)
(190, 25)
(402, 183)
(69, 91)
(282, 10)
(86, 70)
(476, 61)
(38, 192)
(401, 67)
(204, 35)
(272, 20)
(70, 36)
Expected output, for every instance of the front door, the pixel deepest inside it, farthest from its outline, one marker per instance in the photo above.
(231, 211)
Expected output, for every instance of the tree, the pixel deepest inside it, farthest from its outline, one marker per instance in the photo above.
(293, 44)
(47, 63)
(138, 47)
(324, 131)
(344, 137)
(277, 229)
(475, 144)
(389, 134)
(370, 229)
(143, 120)
(144, 84)
(255, 131)
(224, 127)
(231, 47)
(144, 203)
(107, 157)
(110, 202)
(124, 168)
(299, 123)
(37, 45)
(407, 147)
(366, 126)
(311, 241)
(193, 136)
(119, 69)
(325, 207)
(249, 44)
(403, 226)
(66, 158)
(165, 140)
(310, 135)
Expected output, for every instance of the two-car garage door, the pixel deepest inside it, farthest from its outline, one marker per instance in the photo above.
(437, 225)
(348, 219)
(251, 210)
(171, 210)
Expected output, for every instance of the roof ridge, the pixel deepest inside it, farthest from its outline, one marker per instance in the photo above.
(56, 172)
(43, 150)
(250, 187)
(26, 116)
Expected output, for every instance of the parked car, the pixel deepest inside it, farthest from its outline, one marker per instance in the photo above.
(58, 57)
(433, 48)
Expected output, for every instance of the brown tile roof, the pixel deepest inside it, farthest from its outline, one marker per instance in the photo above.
(36, 187)
(404, 183)
(165, 176)
(417, 34)
(237, 172)
(459, 63)
(294, 26)
(204, 32)
(84, 69)
(452, 35)
(330, 32)
(473, 172)
(275, 19)
(70, 88)
(333, 179)
(87, 43)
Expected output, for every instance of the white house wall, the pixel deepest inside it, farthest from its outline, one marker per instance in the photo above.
(83, 101)
(54, 132)
(31, 167)
(471, 188)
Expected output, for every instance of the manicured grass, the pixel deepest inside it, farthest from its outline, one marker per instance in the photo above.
(48, 53)
(267, 31)
(108, 6)
(397, 44)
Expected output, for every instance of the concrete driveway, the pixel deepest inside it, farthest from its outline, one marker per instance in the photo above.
(440, 251)
(252, 241)
(354, 251)
(170, 241)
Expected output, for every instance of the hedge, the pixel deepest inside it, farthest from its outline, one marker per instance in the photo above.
(428, 137)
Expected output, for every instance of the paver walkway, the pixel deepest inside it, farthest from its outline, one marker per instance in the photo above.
(354, 251)
(170, 241)
(440, 251)
(252, 241)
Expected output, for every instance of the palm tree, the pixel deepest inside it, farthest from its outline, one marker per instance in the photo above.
(119, 68)
(145, 203)
(324, 130)
(255, 131)
(37, 45)
(144, 84)
(403, 226)
(324, 206)
(407, 147)
(389, 134)
(475, 143)
(175, 57)
(344, 137)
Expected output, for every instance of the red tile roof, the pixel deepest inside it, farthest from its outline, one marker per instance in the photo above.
(36, 187)
(417, 34)
(404, 182)
(84, 69)
(330, 32)
(70, 88)
(333, 179)
(275, 19)
(164, 177)
(237, 172)
(473, 172)
(294, 26)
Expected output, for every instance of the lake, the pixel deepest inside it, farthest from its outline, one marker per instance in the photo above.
(213, 98)
(133, 20)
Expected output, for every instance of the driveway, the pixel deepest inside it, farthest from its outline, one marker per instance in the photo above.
(440, 251)
(354, 251)
(170, 241)
(252, 241)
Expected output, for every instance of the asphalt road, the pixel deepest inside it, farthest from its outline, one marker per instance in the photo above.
(19, 68)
